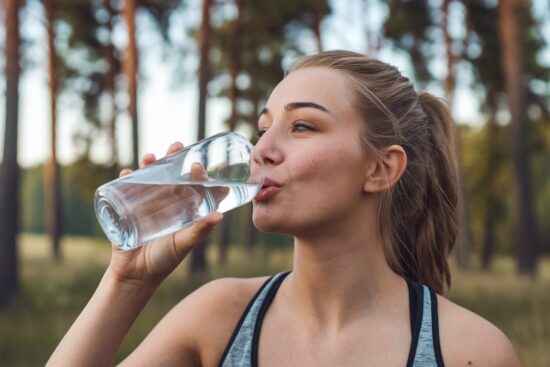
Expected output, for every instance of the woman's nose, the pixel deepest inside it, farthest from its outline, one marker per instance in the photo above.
(268, 149)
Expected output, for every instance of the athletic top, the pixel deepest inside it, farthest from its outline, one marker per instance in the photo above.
(425, 351)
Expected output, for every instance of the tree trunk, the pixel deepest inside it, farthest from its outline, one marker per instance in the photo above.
(198, 256)
(234, 70)
(491, 195)
(53, 185)
(488, 248)
(450, 78)
(461, 251)
(130, 70)
(316, 28)
(9, 171)
(111, 87)
(509, 13)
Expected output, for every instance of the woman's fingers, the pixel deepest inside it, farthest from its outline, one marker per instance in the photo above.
(125, 172)
(147, 160)
(198, 173)
(174, 148)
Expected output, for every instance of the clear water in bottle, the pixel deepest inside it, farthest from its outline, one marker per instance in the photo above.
(132, 213)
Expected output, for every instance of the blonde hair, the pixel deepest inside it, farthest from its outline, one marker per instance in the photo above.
(418, 216)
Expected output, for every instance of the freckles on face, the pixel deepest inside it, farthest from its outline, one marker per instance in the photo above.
(321, 165)
(332, 170)
(323, 185)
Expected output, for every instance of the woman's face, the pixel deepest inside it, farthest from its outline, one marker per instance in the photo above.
(310, 144)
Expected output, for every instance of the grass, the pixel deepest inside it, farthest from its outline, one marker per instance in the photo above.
(52, 295)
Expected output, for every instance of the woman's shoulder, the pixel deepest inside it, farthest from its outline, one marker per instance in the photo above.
(467, 339)
(196, 331)
(217, 308)
(234, 290)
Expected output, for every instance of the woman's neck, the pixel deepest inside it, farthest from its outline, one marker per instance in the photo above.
(336, 281)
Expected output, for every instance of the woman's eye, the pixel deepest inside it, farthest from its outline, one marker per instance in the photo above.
(300, 127)
(260, 133)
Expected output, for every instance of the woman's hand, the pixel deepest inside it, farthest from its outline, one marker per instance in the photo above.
(148, 265)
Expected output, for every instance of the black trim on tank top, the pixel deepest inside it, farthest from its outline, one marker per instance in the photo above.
(412, 305)
(259, 320)
(241, 320)
(435, 330)
(416, 307)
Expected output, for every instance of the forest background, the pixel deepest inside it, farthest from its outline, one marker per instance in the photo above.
(90, 86)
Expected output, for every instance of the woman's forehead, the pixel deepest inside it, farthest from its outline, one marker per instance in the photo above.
(320, 85)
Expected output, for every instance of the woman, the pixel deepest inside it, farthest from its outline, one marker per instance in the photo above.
(361, 171)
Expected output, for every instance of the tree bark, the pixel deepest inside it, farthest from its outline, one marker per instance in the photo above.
(509, 13)
(9, 171)
(316, 28)
(450, 78)
(234, 70)
(488, 246)
(111, 87)
(198, 256)
(130, 70)
(53, 184)
(461, 251)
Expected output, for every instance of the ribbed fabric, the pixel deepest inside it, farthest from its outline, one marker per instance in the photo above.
(425, 351)
(239, 352)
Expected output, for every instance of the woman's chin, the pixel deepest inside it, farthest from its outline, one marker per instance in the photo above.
(266, 224)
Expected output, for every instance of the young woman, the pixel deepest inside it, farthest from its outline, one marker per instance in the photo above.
(361, 171)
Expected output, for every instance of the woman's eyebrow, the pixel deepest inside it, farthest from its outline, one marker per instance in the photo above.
(295, 105)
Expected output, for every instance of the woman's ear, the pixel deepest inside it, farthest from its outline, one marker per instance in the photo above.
(381, 175)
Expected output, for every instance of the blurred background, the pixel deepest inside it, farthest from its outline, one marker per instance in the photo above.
(89, 86)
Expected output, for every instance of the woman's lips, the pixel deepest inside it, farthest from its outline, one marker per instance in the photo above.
(268, 190)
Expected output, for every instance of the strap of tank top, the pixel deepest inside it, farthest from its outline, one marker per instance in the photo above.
(425, 347)
(241, 349)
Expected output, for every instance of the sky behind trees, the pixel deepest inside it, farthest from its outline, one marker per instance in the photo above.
(167, 104)
(168, 108)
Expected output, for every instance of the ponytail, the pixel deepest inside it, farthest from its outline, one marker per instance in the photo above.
(438, 229)
(423, 205)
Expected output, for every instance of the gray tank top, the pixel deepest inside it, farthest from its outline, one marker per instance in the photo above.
(425, 351)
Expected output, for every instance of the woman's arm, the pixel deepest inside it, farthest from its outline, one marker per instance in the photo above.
(196, 331)
(130, 280)
(97, 333)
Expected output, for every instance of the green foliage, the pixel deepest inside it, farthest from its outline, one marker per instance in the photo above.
(409, 28)
(487, 161)
(540, 143)
(479, 171)
(78, 183)
(483, 174)
(256, 44)
(32, 200)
